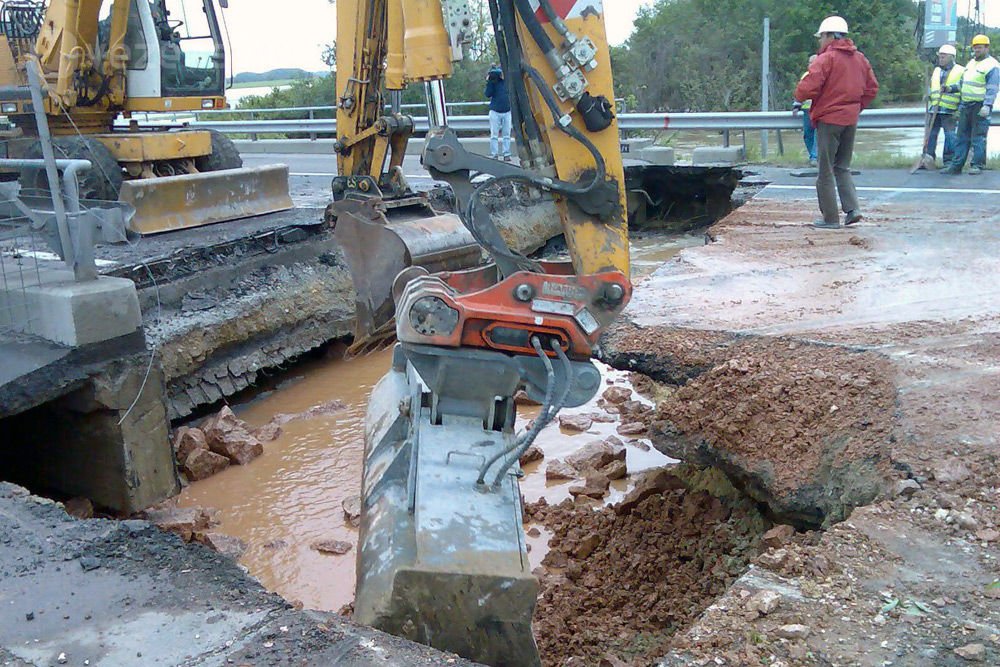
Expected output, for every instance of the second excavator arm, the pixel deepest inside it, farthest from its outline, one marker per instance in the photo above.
(442, 556)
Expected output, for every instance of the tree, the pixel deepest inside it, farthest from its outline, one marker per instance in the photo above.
(704, 55)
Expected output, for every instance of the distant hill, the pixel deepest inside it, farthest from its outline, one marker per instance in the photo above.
(283, 73)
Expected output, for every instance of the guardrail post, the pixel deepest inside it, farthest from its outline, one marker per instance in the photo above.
(253, 135)
(312, 135)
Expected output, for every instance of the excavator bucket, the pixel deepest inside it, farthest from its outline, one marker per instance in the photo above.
(442, 561)
(192, 200)
(378, 245)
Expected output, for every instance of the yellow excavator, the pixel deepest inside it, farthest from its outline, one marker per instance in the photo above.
(442, 557)
(103, 61)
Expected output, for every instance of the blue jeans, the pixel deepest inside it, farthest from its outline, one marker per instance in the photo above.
(944, 122)
(971, 133)
(808, 134)
(499, 127)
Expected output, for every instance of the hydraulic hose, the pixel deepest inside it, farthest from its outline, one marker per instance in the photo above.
(509, 50)
(554, 18)
(535, 28)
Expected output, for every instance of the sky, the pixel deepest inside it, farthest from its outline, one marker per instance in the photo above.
(267, 35)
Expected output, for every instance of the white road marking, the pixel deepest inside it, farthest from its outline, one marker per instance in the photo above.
(968, 191)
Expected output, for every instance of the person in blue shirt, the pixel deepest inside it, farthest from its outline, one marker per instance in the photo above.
(496, 92)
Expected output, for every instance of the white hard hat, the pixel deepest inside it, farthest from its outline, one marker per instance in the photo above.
(948, 49)
(832, 24)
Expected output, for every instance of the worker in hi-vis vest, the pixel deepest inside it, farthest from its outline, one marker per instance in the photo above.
(979, 87)
(942, 106)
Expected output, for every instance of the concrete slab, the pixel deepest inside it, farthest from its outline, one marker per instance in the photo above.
(656, 154)
(72, 313)
(708, 155)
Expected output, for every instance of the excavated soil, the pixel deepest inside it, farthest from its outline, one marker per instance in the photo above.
(618, 582)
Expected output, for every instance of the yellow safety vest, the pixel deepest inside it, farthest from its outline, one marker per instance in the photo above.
(945, 101)
(974, 79)
(808, 103)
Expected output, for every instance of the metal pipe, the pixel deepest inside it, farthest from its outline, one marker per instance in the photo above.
(437, 111)
(51, 173)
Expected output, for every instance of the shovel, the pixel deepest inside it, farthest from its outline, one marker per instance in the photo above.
(925, 161)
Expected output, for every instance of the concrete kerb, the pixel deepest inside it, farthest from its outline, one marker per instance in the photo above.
(73, 313)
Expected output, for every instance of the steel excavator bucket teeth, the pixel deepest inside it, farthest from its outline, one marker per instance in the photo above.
(192, 200)
(376, 252)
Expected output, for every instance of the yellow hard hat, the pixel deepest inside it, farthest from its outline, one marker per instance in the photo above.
(981, 39)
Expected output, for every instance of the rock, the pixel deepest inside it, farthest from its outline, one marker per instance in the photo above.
(575, 422)
(609, 660)
(586, 546)
(182, 521)
(532, 454)
(636, 409)
(988, 535)
(615, 470)
(79, 507)
(229, 436)
(602, 417)
(336, 547)
(793, 631)
(763, 602)
(617, 395)
(971, 652)
(639, 444)
(89, 563)
(534, 532)
(951, 471)
(556, 470)
(227, 545)
(774, 559)
(652, 483)
(201, 464)
(595, 455)
(186, 440)
(352, 511)
(632, 428)
(947, 500)
(275, 544)
(268, 432)
(905, 488)
(595, 485)
(778, 536)
(966, 521)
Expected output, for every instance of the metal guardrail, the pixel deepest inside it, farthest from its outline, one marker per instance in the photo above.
(736, 120)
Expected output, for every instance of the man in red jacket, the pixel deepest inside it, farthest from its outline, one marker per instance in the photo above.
(840, 83)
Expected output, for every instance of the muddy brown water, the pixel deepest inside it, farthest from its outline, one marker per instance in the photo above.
(292, 496)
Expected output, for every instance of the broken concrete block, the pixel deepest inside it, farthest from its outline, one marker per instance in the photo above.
(230, 436)
(559, 470)
(595, 485)
(202, 464)
(186, 440)
(575, 422)
(595, 454)
(617, 395)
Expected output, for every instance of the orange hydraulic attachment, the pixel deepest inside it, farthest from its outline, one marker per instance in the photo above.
(472, 309)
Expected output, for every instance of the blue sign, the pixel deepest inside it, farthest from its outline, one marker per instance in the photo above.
(940, 23)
